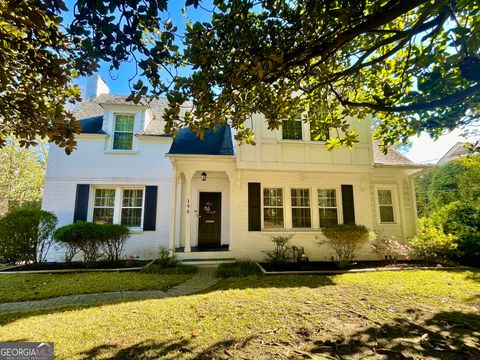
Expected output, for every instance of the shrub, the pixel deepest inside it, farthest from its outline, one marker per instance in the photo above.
(84, 236)
(26, 234)
(432, 244)
(463, 221)
(389, 248)
(345, 240)
(165, 259)
(282, 252)
(114, 237)
(238, 269)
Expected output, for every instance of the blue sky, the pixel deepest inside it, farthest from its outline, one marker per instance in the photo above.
(424, 149)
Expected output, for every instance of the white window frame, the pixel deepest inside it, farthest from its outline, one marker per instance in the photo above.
(111, 115)
(117, 210)
(393, 190)
(115, 115)
(283, 207)
(338, 203)
(301, 207)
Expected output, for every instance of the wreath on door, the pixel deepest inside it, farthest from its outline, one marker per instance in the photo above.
(209, 209)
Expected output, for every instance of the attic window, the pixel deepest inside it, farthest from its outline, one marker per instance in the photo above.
(123, 133)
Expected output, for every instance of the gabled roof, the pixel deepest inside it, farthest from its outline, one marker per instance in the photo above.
(394, 158)
(455, 152)
(215, 142)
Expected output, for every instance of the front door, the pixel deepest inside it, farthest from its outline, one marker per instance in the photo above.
(209, 223)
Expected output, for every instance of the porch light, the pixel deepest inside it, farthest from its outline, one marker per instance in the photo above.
(204, 176)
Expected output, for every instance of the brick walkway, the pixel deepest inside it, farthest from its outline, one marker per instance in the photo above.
(200, 281)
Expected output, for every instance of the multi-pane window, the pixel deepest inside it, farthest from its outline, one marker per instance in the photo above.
(104, 206)
(123, 132)
(385, 203)
(292, 130)
(301, 217)
(132, 201)
(273, 208)
(327, 206)
(118, 206)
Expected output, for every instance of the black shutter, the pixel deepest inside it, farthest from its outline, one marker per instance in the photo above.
(348, 204)
(150, 216)
(81, 203)
(254, 213)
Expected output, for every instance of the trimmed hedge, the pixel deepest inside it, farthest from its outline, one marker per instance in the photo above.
(93, 240)
(345, 240)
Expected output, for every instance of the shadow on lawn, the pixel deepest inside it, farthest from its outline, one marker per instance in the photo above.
(150, 349)
(445, 335)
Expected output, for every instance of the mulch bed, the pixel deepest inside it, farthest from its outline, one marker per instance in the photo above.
(357, 265)
(122, 264)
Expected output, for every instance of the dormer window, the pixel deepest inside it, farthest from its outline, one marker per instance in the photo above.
(292, 130)
(123, 132)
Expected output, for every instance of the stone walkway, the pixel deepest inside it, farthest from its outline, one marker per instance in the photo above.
(200, 281)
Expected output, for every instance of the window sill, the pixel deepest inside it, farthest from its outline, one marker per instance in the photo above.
(388, 223)
(121, 152)
(135, 230)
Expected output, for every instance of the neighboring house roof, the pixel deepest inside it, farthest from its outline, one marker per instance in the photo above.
(215, 142)
(393, 158)
(457, 150)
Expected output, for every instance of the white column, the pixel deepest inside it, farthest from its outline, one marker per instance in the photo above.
(171, 243)
(188, 212)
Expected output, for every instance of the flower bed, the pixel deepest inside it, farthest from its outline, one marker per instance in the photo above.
(330, 266)
(78, 265)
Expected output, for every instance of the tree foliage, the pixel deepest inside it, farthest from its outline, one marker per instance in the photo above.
(26, 235)
(21, 175)
(413, 64)
(457, 180)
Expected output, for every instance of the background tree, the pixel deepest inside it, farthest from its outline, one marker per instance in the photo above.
(21, 174)
(413, 64)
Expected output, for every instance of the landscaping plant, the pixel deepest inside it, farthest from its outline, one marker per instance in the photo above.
(345, 240)
(114, 237)
(26, 235)
(389, 248)
(462, 219)
(282, 252)
(432, 244)
(238, 269)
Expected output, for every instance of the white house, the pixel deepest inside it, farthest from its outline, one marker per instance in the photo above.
(213, 199)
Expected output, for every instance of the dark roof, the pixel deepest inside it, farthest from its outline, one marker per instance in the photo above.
(215, 142)
(393, 158)
(92, 125)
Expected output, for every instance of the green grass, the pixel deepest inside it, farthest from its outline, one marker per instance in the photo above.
(238, 269)
(23, 287)
(419, 314)
(178, 269)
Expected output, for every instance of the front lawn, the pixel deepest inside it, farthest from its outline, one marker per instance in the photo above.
(23, 287)
(394, 315)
